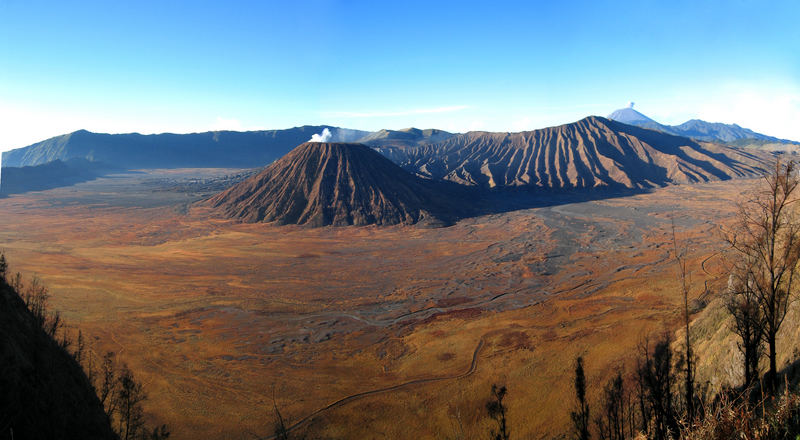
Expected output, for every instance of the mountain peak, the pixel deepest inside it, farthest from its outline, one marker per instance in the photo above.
(693, 128)
(628, 115)
(320, 184)
(312, 145)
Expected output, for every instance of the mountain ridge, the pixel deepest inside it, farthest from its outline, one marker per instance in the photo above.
(592, 152)
(404, 138)
(169, 150)
(14, 180)
(696, 128)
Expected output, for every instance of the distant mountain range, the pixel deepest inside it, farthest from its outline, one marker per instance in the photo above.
(247, 149)
(320, 184)
(421, 176)
(697, 129)
(593, 152)
(83, 155)
(253, 149)
(408, 137)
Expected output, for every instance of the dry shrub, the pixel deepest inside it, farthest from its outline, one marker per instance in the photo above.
(735, 418)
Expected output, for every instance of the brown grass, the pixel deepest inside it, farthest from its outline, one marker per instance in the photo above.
(214, 315)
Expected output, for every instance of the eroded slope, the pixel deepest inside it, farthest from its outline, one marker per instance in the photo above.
(322, 184)
(593, 152)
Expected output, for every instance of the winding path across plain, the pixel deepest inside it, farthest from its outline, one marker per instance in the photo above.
(345, 400)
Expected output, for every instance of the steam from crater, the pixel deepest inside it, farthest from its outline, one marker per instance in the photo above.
(630, 104)
(325, 136)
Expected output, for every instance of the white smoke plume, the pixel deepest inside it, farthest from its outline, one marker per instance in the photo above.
(325, 136)
(630, 104)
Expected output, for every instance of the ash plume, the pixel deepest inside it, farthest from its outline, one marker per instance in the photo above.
(325, 136)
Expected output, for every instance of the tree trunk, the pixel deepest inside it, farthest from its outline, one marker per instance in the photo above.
(748, 373)
(772, 376)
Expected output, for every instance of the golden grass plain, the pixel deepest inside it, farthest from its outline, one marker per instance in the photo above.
(216, 317)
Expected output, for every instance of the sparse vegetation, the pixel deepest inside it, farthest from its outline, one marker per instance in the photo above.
(43, 391)
(766, 241)
(742, 304)
(117, 396)
(580, 416)
(3, 267)
(761, 285)
(477, 420)
(497, 412)
(122, 397)
(688, 355)
(611, 422)
(655, 371)
(733, 416)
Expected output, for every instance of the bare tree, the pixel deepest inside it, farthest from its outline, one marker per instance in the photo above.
(35, 297)
(656, 384)
(80, 346)
(122, 397)
(689, 371)
(16, 283)
(90, 369)
(611, 422)
(641, 388)
(281, 426)
(748, 324)
(630, 413)
(3, 266)
(119, 393)
(108, 385)
(768, 235)
(130, 397)
(580, 416)
(497, 411)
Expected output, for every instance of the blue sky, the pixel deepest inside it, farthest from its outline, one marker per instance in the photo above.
(505, 66)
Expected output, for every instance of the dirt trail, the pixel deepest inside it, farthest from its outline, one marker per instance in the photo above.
(353, 397)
